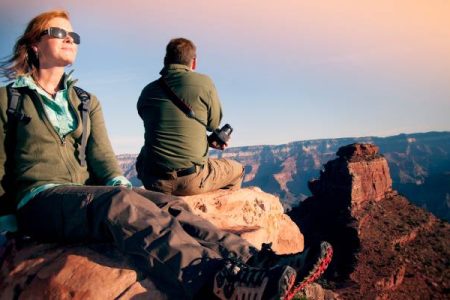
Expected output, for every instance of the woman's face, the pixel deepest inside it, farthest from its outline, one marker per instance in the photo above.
(56, 52)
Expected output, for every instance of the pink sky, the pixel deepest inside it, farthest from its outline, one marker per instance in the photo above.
(315, 69)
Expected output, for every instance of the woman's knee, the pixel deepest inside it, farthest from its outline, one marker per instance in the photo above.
(125, 200)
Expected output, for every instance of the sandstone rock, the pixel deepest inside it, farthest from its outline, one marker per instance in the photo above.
(359, 174)
(358, 151)
(50, 271)
(47, 271)
(371, 180)
(255, 215)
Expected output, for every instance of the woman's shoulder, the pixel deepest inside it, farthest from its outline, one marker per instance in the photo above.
(3, 95)
(3, 100)
(4, 88)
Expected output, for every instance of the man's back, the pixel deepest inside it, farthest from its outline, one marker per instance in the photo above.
(172, 139)
(174, 158)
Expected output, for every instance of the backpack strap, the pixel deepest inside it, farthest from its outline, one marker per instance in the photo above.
(15, 101)
(85, 106)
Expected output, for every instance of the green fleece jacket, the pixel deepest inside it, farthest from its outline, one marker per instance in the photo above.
(40, 156)
(173, 140)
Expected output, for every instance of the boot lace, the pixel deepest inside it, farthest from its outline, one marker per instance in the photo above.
(239, 281)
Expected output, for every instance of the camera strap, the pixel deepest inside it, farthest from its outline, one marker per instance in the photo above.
(182, 105)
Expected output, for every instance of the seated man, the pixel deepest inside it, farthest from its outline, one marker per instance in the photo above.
(174, 159)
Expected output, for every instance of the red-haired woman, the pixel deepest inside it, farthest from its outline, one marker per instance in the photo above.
(58, 169)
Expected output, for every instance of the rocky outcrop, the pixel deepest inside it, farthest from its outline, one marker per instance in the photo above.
(360, 173)
(253, 214)
(49, 271)
(404, 253)
(385, 247)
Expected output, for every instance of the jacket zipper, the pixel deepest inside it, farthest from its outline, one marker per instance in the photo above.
(78, 118)
(70, 166)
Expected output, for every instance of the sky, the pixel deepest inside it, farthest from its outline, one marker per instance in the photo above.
(285, 70)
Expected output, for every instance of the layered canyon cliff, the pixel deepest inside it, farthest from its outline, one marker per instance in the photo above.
(419, 166)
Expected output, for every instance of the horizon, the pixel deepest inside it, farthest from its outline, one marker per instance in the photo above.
(285, 71)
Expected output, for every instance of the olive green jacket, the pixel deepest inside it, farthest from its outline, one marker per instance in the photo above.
(173, 140)
(40, 156)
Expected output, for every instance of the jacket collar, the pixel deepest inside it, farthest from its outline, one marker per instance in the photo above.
(173, 68)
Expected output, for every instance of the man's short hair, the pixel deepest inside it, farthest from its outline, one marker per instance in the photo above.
(180, 51)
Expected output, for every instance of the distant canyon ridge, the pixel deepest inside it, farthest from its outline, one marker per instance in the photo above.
(419, 166)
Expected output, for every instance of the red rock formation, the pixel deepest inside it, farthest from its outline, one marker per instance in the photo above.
(404, 253)
(360, 173)
(385, 247)
(358, 152)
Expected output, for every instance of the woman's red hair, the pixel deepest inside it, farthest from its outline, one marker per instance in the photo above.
(23, 59)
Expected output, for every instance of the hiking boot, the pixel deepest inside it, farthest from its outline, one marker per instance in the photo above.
(309, 264)
(239, 281)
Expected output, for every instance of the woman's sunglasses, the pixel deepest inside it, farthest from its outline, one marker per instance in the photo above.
(60, 33)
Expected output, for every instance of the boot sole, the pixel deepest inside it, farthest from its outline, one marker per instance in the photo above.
(288, 281)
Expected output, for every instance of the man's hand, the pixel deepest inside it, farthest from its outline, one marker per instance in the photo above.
(216, 145)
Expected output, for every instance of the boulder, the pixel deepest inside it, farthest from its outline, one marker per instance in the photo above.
(253, 214)
(50, 271)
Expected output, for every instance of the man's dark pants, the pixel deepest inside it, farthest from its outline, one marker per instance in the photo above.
(180, 248)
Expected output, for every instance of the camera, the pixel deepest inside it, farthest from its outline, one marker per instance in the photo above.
(221, 136)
